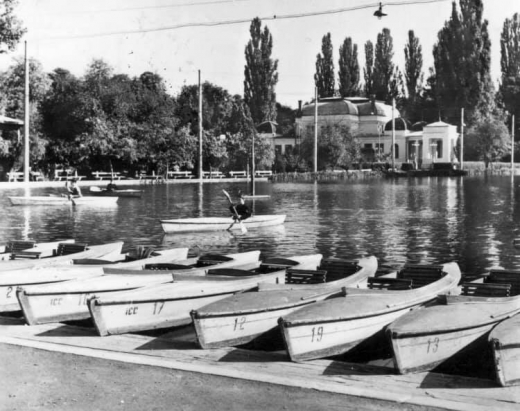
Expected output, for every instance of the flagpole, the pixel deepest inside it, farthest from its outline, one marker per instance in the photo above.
(26, 165)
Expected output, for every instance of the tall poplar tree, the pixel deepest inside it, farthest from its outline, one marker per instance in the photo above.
(324, 77)
(384, 69)
(413, 67)
(368, 70)
(510, 64)
(462, 63)
(11, 30)
(261, 75)
(348, 69)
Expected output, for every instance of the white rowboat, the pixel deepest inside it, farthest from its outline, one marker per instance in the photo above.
(219, 223)
(169, 305)
(61, 201)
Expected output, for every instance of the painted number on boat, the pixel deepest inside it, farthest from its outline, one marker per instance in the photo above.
(433, 345)
(157, 307)
(9, 292)
(131, 311)
(83, 299)
(317, 334)
(239, 323)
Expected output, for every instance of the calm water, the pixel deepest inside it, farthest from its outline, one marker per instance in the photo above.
(473, 220)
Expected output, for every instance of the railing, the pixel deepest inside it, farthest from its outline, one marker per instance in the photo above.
(100, 175)
(180, 174)
(212, 174)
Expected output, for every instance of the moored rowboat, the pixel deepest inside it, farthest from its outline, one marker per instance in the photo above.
(6, 251)
(433, 336)
(504, 341)
(338, 325)
(257, 313)
(10, 280)
(219, 223)
(59, 201)
(68, 300)
(169, 305)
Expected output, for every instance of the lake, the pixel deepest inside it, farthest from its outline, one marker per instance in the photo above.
(471, 220)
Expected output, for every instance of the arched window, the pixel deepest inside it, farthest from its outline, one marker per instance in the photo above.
(396, 151)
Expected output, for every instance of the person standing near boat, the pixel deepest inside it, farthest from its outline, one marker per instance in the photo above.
(73, 189)
(241, 209)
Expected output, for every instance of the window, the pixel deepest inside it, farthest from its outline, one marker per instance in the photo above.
(278, 149)
(288, 149)
(396, 151)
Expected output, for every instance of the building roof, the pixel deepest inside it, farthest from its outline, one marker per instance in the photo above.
(439, 124)
(418, 126)
(334, 106)
(400, 124)
(7, 123)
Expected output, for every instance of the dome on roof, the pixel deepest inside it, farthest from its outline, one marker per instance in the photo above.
(331, 107)
(419, 125)
(400, 124)
(367, 109)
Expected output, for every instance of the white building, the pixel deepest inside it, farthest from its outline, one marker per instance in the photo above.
(371, 122)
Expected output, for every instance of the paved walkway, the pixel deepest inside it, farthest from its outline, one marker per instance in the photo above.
(177, 350)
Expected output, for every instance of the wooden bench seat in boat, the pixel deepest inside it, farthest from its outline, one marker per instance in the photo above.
(505, 277)
(70, 248)
(486, 289)
(275, 264)
(381, 283)
(295, 276)
(16, 246)
(230, 272)
(337, 268)
(421, 275)
(167, 266)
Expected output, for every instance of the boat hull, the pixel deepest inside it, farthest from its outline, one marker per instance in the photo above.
(246, 317)
(131, 193)
(64, 201)
(439, 334)
(218, 223)
(504, 341)
(338, 325)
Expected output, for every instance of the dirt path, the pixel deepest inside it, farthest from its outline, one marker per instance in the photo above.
(40, 380)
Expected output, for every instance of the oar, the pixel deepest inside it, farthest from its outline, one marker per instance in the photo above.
(242, 227)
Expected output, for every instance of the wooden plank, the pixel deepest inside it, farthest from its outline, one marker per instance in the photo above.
(179, 352)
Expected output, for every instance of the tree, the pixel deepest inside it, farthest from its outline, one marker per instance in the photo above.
(385, 75)
(324, 76)
(487, 140)
(413, 69)
(260, 74)
(462, 64)
(368, 71)
(348, 69)
(12, 82)
(510, 64)
(11, 30)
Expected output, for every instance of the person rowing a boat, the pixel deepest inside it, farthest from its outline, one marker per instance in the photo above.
(73, 189)
(240, 211)
(111, 186)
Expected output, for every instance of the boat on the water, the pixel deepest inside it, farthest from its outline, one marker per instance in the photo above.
(9, 250)
(246, 317)
(65, 200)
(10, 280)
(358, 317)
(37, 301)
(504, 342)
(219, 223)
(103, 192)
(169, 305)
(458, 325)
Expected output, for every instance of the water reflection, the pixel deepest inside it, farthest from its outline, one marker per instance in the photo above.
(432, 220)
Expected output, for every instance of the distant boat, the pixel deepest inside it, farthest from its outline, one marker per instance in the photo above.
(219, 223)
(65, 200)
(103, 192)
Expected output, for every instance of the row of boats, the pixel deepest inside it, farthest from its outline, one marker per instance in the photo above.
(320, 307)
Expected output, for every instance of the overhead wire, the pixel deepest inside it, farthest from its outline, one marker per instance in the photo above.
(241, 21)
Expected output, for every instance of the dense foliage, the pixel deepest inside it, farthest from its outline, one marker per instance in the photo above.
(324, 76)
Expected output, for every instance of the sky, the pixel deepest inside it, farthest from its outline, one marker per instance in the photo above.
(178, 38)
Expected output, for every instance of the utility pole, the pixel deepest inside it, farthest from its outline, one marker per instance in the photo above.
(393, 134)
(315, 130)
(462, 138)
(201, 175)
(513, 145)
(26, 165)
